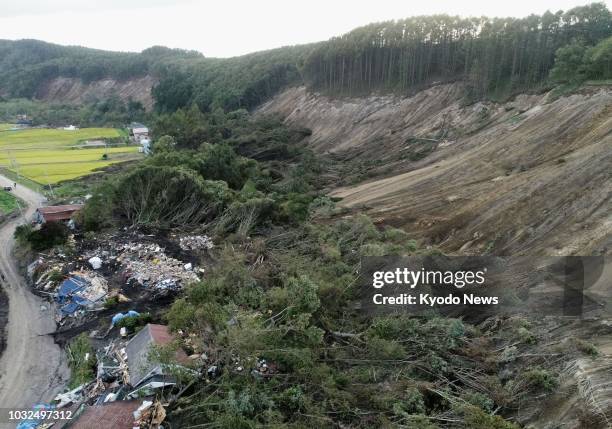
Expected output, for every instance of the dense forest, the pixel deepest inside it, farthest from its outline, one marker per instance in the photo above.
(496, 57)
(492, 54)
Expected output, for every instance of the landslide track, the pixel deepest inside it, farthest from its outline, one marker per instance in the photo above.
(530, 176)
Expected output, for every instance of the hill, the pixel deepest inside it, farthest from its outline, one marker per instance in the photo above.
(495, 57)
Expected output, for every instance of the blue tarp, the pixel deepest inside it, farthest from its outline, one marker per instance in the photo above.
(70, 286)
(66, 291)
(120, 316)
(33, 424)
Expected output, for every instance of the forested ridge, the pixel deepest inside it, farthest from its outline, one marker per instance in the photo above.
(496, 57)
(490, 54)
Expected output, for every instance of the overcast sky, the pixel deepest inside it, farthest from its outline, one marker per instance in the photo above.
(224, 28)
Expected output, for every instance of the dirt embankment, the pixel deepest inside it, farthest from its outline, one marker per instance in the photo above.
(529, 176)
(74, 90)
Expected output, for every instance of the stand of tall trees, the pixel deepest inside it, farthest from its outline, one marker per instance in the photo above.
(492, 54)
(495, 56)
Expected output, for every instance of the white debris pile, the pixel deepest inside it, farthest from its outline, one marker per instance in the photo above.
(196, 242)
(148, 265)
(95, 262)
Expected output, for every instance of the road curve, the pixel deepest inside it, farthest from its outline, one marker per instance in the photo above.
(32, 368)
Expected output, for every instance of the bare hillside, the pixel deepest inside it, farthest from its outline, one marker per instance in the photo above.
(529, 176)
(74, 90)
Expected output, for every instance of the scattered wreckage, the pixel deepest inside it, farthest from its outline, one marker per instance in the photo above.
(128, 380)
(79, 285)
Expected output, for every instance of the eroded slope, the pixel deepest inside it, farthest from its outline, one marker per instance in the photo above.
(529, 176)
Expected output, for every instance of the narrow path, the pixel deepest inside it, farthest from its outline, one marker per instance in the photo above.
(32, 367)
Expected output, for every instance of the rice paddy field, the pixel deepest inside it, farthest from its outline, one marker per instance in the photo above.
(48, 156)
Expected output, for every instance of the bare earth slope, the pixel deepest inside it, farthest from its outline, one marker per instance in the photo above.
(32, 367)
(74, 90)
(529, 176)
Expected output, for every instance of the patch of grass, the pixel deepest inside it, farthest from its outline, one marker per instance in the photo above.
(81, 359)
(8, 202)
(586, 347)
(603, 82)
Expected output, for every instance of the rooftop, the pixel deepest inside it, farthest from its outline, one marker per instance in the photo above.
(138, 350)
(117, 415)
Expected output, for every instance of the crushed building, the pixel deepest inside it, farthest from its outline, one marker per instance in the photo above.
(144, 374)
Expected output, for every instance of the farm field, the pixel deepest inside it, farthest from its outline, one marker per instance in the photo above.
(49, 156)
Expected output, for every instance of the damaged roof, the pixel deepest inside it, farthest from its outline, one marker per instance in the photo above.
(138, 350)
(116, 415)
(55, 213)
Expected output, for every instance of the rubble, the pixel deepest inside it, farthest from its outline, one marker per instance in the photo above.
(148, 265)
(196, 242)
(79, 292)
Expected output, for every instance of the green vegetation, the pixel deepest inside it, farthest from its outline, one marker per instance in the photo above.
(8, 202)
(49, 235)
(132, 323)
(576, 62)
(52, 155)
(81, 359)
(110, 112)
(283, 288)
(497, 57)
(494, 55)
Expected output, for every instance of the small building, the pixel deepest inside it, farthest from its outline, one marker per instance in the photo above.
(143, 373)
(138, 132)
(23, 121)
(56, 213)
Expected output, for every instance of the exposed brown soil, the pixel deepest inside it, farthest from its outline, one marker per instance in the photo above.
(528, 176)
(74, 90)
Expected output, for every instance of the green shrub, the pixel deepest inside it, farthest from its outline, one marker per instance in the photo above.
(540, 379)
(133, 322)
(476, 418)
(586, 347)
(49, 235)
(82, 369)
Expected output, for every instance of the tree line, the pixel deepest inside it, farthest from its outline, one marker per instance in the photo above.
(496, 57)
(492, 54)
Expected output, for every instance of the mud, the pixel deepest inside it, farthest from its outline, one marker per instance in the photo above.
(528, 176)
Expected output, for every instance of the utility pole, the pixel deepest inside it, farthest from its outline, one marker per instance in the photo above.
(49, 184)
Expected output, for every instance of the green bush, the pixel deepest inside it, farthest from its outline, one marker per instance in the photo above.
(49, 235)
(540, 379)
(133, 322)
(82, 369)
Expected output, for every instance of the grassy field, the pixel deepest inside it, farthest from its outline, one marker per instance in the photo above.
(8, 202)
(48, 156)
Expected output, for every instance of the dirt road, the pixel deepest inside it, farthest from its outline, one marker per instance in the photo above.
(33, 367)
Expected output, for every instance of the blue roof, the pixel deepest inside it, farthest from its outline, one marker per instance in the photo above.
(66, 294)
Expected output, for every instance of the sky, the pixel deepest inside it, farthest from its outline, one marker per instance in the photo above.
(225, 28)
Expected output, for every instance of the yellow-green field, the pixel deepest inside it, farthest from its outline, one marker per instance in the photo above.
(50, 156)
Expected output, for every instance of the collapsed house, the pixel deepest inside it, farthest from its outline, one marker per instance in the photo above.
(145, 375)
(80, 291)
(121, 415)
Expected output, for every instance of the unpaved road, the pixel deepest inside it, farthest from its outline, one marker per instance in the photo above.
(32, 368)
